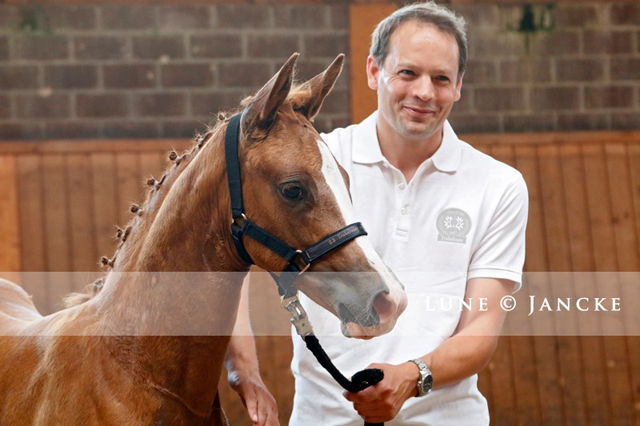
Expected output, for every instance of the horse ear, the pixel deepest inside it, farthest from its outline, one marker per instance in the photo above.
(261, 112)
(320, 86)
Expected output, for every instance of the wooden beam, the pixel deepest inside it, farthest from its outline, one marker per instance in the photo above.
(363, 19)
(562, 138)
(79, 146)
(93, 146)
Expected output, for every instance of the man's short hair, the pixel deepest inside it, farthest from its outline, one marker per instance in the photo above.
(429, 13)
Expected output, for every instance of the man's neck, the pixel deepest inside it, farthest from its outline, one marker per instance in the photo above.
(407, 154)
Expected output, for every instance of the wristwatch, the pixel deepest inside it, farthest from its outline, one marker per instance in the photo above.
(425, 381)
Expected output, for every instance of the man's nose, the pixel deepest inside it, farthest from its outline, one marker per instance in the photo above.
(424, 89)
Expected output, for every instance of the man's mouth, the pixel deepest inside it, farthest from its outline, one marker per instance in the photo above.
(417, 111)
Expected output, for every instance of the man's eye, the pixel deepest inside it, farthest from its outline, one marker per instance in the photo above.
(407, 72)
(292, 192)
(442, 78)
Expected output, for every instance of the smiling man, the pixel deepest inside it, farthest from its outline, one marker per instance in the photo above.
(447, 219)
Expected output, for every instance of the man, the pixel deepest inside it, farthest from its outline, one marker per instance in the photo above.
(447, 219)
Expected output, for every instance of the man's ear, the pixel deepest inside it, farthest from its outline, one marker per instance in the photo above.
(320, 86)
(372, 73)
(262, 111)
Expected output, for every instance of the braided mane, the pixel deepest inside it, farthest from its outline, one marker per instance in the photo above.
(145, 214)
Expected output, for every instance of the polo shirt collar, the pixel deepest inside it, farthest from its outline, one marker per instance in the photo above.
(367, 150)
(447, 157)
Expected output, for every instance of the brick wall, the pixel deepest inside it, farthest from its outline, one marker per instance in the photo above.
(581, 73)
(150, 71)
(144, 71)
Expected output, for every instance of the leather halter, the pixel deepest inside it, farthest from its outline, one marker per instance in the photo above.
(298, 260)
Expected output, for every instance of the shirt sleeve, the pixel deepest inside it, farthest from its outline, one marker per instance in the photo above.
(501, 252)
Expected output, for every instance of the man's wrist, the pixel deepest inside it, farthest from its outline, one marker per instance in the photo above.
(424, 383)
(414, 376)
(244, 370)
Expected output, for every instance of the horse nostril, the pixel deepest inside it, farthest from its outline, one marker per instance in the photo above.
(384, 305)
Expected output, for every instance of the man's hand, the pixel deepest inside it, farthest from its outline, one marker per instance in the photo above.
(383, 401)
(257, 399)
(243, 370)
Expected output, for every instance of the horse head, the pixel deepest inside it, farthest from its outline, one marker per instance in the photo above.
(294, 188)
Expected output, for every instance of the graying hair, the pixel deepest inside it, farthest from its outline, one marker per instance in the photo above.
(442, 18)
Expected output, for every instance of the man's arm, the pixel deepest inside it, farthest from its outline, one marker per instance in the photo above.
(243, 371)
(465, 353)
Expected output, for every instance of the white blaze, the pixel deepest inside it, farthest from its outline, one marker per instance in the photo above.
(336, 183)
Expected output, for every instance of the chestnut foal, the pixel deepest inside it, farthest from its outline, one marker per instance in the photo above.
(140, 352)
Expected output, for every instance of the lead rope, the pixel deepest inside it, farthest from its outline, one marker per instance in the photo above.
(359, 381)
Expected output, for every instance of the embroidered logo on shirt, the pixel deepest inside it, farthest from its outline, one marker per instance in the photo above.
(453, 226)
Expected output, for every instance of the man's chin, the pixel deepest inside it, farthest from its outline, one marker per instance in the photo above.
(420, 131)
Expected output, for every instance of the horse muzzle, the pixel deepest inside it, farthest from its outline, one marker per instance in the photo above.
(378, 318)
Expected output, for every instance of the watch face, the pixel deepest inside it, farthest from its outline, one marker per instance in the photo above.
(428, 383)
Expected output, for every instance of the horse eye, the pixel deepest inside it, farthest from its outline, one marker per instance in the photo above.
(292, 192)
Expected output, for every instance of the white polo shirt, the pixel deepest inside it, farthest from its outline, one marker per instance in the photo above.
(463, 215)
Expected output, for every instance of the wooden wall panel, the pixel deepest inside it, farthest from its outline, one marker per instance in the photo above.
(572, 379)
(32, 229)
(533, 378)
(633, 152)
(625, 237)
(623, 219)
(576, 208)
(83, 247)
(105, 202)
(553, 402)
(605, 254)
(592, 380)
(584, 216)
(55, 199)
(9, 217)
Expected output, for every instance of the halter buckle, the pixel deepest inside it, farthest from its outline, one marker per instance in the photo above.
(298, 316)
(306, 266)
(242, 215)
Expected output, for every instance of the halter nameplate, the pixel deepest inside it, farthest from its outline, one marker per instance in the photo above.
(333, 241)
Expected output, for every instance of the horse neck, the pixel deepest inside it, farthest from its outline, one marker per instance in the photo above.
(162, 285)
(184, 225)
